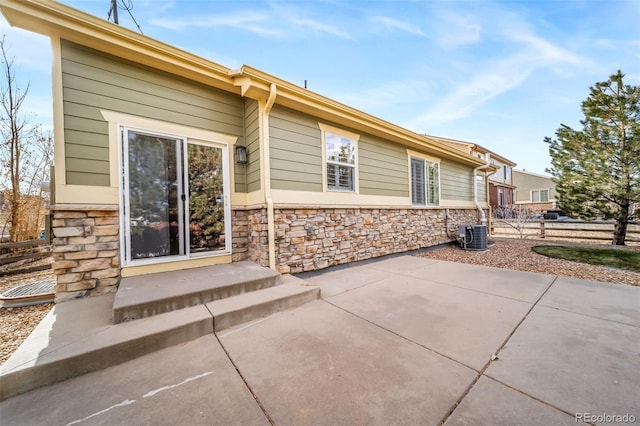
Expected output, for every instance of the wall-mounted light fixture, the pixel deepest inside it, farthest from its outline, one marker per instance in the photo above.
(241, 154)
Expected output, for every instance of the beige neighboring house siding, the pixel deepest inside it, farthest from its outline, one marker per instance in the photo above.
(94, 81)
(526, 182)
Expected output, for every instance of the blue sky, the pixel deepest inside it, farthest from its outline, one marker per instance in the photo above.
(503, 74)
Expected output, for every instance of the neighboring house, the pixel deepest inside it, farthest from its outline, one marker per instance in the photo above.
(166, 161)
(537, 192)
(501, 185)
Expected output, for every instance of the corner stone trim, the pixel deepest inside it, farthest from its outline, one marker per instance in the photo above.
(86, 256)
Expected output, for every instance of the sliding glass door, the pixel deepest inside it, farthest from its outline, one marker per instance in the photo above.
(206, 209)
(173, 196)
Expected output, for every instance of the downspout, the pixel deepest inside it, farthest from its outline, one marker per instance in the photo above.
(483, 217)
(266, 166)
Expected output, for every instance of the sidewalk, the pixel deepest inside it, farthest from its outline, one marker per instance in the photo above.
(404, 340)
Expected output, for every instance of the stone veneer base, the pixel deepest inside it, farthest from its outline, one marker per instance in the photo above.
(87, 247)
(86, 250)
(315, 238)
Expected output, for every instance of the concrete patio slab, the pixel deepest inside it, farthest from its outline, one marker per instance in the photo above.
(321, 365)
(80, 336)
(403, 264)
(613, 302)
(519, 285)
(491, 403)
(577, 363)
(190, 384)
(390, 345)
(345, 279)
(465, 325)
(77, 337)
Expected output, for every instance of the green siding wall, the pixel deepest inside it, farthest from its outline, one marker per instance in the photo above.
(295, 151)
(92, 81)
(455, 181)
(296, 157)
(252, 137)
(482, 190)
(383, 167)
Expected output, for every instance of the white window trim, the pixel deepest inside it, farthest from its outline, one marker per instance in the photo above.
(415, 154)
(326, 128)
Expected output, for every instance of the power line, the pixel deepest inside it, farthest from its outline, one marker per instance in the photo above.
(124, 5)
(114, 10)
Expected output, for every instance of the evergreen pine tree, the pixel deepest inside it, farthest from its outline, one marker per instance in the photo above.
(597, 169)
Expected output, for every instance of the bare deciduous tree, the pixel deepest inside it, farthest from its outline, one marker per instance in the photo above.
(516, 217)
(25, 155)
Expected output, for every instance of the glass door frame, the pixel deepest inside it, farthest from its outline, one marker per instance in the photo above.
(182, 143)
(226, 188)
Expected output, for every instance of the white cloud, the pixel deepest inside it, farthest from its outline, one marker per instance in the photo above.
(390, 93)
(614, 44)
(547, 52)
(457, 30)
(631, 48)
(398, 25)
(489, 79)
(245, 20)
(319, 26)
(501, 77)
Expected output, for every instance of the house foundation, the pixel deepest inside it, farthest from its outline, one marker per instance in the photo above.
(250, 238)
(86, 250)
(86, 253)
(316, 238)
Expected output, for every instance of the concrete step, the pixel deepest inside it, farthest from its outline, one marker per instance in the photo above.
(153, 294)
(79, 336)
(249, 306)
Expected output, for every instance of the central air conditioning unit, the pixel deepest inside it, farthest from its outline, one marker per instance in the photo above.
(473, 237)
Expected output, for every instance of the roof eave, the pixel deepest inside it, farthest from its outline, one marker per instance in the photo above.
(256, 84)
(55, 19)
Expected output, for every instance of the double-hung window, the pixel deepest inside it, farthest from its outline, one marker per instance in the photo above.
(425, 182)
(340, 149)
(540, 196)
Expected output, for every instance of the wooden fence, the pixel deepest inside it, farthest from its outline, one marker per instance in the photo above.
(563, 230)
(31, 249)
